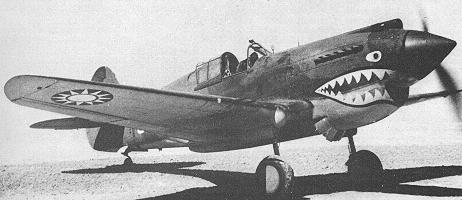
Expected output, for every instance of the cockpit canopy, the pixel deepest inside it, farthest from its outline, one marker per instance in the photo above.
(225, 65)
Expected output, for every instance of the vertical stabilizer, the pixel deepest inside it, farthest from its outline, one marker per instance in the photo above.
(105, 75)
(107, 137)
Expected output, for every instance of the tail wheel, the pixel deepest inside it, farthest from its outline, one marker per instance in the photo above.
(128, 161)
(365, 169)
(275, 178)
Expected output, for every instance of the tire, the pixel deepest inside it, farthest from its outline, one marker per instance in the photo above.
(365, 170)
(275, 178)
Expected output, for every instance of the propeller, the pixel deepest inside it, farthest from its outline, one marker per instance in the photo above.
(446, 79)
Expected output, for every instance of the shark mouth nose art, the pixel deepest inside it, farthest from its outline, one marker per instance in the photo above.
(358, 88)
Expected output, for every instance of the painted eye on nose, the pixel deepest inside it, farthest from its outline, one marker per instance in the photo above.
(374, 56)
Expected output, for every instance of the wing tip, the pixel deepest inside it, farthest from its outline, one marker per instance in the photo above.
(23, 85)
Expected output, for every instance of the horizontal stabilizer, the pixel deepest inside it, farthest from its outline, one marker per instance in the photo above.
(66, 124)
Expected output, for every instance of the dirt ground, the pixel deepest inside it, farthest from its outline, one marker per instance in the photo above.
(414, 172)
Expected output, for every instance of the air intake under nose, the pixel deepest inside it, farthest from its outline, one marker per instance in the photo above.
(423, 52)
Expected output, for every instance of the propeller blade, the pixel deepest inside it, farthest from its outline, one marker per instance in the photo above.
(450, 85)
(446, 80)
(423, 20)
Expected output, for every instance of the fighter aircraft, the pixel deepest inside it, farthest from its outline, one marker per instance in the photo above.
(329, 87)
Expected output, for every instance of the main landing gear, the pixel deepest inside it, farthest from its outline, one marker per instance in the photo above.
(275, 177)
(364, 167)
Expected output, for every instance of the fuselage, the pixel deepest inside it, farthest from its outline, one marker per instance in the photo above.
(351, 80)
(354, 79)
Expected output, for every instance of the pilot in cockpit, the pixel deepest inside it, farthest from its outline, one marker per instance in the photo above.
(231, 65)
(243, 64)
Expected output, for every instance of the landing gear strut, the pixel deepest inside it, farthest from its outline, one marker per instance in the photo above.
(364, 167)
(276, 149)
(275, 177)
(128, 160)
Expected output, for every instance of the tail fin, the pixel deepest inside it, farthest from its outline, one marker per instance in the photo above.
(105, 75)
(106, 137)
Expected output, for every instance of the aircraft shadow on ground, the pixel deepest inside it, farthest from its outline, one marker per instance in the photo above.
(239, 185)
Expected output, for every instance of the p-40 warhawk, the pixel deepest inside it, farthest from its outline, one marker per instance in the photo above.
(329, 87)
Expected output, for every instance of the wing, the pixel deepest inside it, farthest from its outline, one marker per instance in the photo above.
(424, 97)
(129, 106)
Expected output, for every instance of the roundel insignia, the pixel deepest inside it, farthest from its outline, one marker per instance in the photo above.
(82, 97)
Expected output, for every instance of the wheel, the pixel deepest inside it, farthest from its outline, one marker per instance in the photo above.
(275, 178)
(128, 161)
(365, 169)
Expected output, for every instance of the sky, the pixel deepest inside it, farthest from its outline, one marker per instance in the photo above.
(151, 43)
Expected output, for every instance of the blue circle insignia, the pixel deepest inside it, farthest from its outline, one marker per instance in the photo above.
(82, 97)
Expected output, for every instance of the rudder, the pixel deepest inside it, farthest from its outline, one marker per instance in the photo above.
(105, 75)
(108, 137)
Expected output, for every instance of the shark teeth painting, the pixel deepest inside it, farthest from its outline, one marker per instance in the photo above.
(358, 88)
